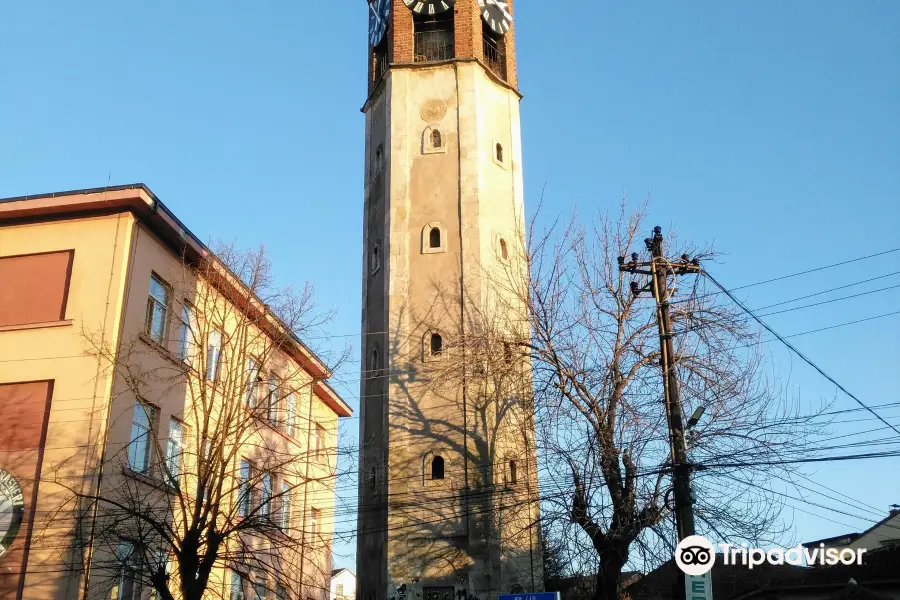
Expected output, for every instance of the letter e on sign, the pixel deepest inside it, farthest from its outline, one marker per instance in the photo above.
(699, 587)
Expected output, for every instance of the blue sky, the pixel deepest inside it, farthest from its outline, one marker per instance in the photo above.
(769, 129)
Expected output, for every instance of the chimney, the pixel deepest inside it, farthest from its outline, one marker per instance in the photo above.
(895, 509)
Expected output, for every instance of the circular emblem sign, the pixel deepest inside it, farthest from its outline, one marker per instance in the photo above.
(12, 506)
(695, 555)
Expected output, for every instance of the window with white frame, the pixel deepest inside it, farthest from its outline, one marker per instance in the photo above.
(140, 446)
(237, 586)
(319, 441)
(187, 344)
(157, 309)
(175, 450)
(128, 584)
(214, 354)
(259, 589)
(244, 492)
(284, 521)
(291, 416)
(265, 495)
(254, 378)
(272, 399)
(315, 521)
(162, 561)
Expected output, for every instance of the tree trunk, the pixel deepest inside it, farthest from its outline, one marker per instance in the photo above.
(609, 575)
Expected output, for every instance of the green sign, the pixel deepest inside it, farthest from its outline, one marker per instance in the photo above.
(699, 587)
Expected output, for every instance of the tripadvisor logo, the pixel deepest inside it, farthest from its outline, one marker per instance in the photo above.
(695, 555)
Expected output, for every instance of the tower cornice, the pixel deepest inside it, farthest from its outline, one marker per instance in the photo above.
(414, 66)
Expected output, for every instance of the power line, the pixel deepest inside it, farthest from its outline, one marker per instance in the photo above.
(778, 312)
(795, 350)
(806, 272)
(834, 289)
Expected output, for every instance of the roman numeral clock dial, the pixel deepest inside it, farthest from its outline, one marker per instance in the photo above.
(429, 7)
(496, 14)
(379, 15)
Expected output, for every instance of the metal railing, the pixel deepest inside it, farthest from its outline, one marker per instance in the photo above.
(495, 56)
(379, 62)
(433, 45)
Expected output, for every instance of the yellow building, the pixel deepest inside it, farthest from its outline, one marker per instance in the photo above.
(157, 414)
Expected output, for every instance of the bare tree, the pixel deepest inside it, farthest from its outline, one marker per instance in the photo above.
(225, 449)
(598, 400)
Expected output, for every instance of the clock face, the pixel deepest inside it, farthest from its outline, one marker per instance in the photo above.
(379, 14)
(12, 506)
(429, 7)
(496, 14)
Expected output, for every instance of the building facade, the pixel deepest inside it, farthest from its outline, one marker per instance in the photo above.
(139, 378)
(448, 481)
(343, 585)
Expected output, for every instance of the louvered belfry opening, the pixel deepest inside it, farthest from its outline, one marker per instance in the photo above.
(433, 37)
(494, 48)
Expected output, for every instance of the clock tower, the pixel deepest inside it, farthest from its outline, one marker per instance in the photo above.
(448, 495)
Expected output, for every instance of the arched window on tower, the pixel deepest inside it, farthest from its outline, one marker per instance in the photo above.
(504, 252)
(378, 161)
(434, 240)
(436, 138)
(437, 344)
(513, 475)
(376, 258)
(437, 468)
(498, 152)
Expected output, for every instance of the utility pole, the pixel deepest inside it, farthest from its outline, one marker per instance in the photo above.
(659, 269)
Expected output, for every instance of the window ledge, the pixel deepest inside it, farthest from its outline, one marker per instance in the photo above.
(41, 325)
(150, 480)
(164, 352)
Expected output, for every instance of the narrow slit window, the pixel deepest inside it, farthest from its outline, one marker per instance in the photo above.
(434, 238)
(512, 472)
(373, 368)
(499, 152)
(436, 140)
(376, 258)
(437, 468)
(379, 159)
(504, 252)
(437, 344)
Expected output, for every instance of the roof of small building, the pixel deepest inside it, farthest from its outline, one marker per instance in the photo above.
(851, 537)
(337, 572)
